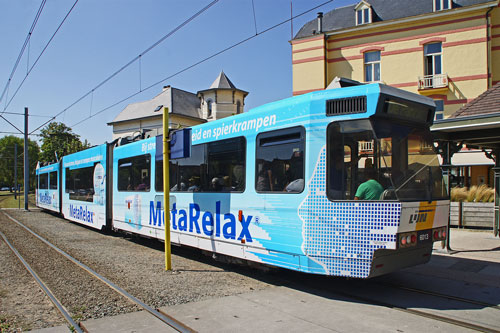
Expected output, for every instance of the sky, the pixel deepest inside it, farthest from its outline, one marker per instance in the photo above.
(99, 37)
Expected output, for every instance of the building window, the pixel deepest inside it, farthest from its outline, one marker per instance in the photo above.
(432, 59)
(372, 66)
(439, 109)
(209, 108)
(442, 5)
(238, 107)
(363, 13)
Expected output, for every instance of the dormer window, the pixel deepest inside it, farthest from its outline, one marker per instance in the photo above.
(363, 13)
(441, 5)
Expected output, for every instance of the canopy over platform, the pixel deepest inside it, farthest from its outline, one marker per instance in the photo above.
(476, 125)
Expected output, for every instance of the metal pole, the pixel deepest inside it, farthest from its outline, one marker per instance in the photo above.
(496, 170)
(26, 160)
(446, 170)
(15, 171)
(166, 192)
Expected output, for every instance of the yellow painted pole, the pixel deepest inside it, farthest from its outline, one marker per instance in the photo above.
(166, 192)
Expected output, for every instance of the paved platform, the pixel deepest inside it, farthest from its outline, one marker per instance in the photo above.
(475, 259)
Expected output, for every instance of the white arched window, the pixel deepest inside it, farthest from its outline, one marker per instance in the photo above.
(209, 108)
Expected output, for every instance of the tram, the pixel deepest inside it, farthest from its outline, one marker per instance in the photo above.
(279, 185)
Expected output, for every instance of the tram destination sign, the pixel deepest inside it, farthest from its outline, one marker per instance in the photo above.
(406, 110)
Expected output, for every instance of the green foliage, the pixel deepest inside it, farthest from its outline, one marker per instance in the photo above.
(7, 160)
(59, 138)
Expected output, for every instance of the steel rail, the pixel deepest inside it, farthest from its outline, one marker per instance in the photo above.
(436, 294)
(44, 287)
(175, 324)
(420, 313)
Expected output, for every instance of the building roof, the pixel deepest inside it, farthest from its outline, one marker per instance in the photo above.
(485, 104)
(383, 10)
(178, 101)
(222, 82)
(477, 124)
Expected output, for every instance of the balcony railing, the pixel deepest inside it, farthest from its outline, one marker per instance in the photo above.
(433, 81)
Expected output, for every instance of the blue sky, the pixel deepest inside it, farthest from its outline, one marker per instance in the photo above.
(101, 36)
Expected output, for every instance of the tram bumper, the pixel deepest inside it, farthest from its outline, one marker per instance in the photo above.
(387, 261)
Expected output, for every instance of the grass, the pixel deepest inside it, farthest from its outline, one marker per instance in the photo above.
(475, 193)
(7, 200)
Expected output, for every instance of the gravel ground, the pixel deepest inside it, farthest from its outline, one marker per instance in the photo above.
(136, 265)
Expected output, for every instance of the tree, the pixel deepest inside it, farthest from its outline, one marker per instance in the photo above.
(7, 160)
(59, 140)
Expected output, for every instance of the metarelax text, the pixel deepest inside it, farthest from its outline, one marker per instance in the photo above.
(82, 214)
(182, 220)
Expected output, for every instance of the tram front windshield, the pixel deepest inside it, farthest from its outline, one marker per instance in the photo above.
(401, 155)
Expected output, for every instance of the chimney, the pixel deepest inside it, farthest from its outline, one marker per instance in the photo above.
(320, 22)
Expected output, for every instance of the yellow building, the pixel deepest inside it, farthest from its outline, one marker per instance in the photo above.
(447, 50)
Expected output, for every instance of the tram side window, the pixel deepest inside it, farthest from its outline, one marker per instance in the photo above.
(172, 168)
(280, 161)
(44, 181)
(134, 173)
(80, 183)
(351, 151)
(226, 165)
(53, 180)
(217, 166)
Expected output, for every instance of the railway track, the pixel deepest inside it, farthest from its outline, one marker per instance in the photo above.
(389, 295)
(43, 247)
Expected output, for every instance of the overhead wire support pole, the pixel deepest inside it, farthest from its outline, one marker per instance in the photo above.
(166, 191)
(26, 160)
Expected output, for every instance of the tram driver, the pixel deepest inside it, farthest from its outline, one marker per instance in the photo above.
(370, 189)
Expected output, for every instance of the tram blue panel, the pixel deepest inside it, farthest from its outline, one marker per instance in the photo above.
(132, 208)
(90, 207)
(48, 198)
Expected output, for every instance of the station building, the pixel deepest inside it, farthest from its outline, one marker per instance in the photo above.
(145, 119)
(448, 50)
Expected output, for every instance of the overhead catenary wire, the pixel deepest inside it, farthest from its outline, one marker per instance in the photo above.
(201, 61)
(180, 26)
(23, 48)
(39, 56)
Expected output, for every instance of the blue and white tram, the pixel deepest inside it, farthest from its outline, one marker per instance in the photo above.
(277, 184)
(47, 192)
(85, 197)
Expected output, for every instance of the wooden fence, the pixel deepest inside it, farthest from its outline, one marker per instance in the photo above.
(472, 214)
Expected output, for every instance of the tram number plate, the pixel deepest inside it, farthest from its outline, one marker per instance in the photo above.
(424, 236)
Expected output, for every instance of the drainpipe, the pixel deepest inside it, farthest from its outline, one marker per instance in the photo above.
(320, 31)
(488, 47)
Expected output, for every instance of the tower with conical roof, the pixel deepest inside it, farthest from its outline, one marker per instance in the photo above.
(222, 99)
